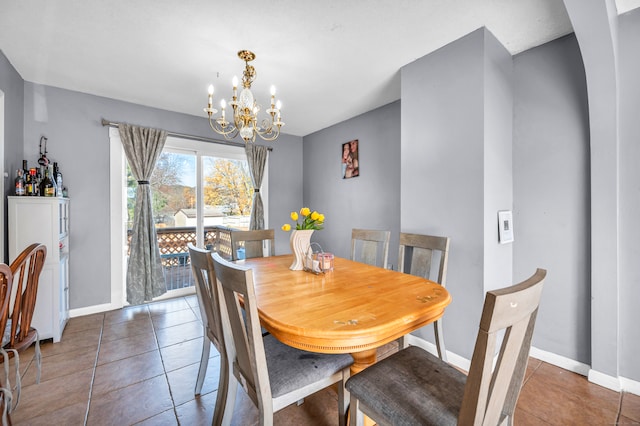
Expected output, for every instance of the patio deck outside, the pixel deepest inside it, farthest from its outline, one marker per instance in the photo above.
(174, 253)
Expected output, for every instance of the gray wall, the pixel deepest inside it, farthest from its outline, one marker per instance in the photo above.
(629, 66)
(80, 144)
(550, 179)
(371, 200)
(551, 191)
(285, 185)
(456, 169)
(498, 172)
(11, 84)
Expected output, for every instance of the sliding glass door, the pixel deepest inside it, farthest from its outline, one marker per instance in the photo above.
(200, 192)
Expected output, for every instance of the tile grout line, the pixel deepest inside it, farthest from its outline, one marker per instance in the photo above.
(619, 408)
(164, 369)
(93, 374)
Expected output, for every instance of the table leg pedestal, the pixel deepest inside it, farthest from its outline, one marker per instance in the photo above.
(362, 360)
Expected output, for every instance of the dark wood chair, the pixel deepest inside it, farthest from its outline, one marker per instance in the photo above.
(370, 246)
(5, 405)
(6, 280)
(208, 301)
(253, 243)
(26, 270)
(19, 335)
(273, 374)
(416, 256)
(413, 386)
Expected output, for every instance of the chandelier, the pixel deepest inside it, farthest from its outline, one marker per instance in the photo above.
(245, 109)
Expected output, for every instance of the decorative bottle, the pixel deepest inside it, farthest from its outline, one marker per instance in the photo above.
(47, 186)
(19, 182)
(28, 186)
(57, 177)
(32, 180)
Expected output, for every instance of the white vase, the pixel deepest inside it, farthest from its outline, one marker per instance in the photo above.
(300, 242)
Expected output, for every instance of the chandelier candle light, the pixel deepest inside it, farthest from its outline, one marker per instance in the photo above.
(245, 109)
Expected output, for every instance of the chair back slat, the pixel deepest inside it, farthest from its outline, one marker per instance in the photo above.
(6, 282)
(370, 246)
(253, 243)
(418, 253)
(207, 292)
(421, 262)
(491, 393)
(243, 333)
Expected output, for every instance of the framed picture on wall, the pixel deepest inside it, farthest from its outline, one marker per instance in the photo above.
(505, 226)
(349, 160)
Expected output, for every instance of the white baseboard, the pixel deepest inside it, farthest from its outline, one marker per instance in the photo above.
(560, 361)
(614, 383)
(453, 359)
(617, 384)
(95, 309)
(631, 386)
(605, 380)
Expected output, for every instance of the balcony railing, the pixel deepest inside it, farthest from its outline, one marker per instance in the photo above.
(174, 254)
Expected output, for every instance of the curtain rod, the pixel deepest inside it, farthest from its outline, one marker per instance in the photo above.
(185, 136)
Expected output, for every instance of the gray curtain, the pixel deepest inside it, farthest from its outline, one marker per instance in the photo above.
(144, 271)
(257, 159)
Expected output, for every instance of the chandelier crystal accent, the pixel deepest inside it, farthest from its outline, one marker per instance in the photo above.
(245, 109)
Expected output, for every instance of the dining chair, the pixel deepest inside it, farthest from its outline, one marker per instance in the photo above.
(253, 243)
(416, 256)
(5, 404)
(272, 374)
(370, 246)
(208, 301)
(413, 386)
(6, 281)
(19, 335)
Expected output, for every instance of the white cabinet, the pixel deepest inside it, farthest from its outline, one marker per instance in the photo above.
(44, 220)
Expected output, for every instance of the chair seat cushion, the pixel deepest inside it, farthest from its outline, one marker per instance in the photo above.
(411, 387)
(290, 368)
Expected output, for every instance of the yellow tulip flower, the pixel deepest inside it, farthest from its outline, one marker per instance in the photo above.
(315, 215)
(321, 218)
(294, 215)
(305, 211)
(286, 227)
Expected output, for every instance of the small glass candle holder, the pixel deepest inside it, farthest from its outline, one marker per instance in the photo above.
(326, 261)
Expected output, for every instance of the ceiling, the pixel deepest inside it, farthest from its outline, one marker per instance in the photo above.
(330, 60)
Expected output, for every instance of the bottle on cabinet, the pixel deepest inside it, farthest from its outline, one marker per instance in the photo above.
(57, 177)
(19, 182)
(28, 184)
(48, 186)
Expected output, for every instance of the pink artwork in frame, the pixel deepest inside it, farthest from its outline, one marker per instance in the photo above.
(350, 162)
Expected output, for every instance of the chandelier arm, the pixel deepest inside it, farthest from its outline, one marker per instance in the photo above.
(269, 138)
(228, 134)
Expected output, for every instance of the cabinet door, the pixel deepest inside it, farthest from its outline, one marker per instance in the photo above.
(64, 292)
(33, 221)
(63, 219)
(43, 316)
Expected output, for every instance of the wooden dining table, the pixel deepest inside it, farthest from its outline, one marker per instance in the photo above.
(355, 309)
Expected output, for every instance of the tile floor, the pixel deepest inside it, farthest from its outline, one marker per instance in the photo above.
(138, 365)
